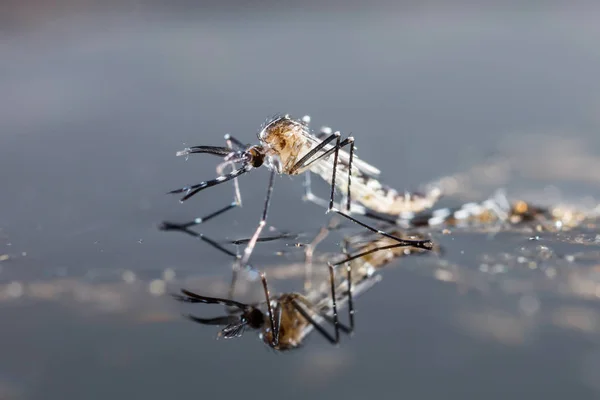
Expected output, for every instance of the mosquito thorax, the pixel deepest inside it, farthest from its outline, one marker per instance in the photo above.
(284, 138)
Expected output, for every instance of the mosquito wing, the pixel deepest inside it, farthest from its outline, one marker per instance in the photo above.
(344, 158)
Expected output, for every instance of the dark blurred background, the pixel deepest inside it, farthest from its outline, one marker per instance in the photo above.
(96, 98)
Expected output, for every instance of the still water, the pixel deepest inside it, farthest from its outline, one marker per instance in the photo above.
(95, 102)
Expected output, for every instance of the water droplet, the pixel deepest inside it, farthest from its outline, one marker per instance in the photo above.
(157, 287)
(168, 274)
(14, 289)
(128, 276)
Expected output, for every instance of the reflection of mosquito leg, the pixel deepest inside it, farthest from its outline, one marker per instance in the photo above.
(310, 249)
(274, 326)
(263, 221)
(237, 198)
(333, 339)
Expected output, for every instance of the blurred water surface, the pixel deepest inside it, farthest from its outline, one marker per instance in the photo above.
(95, 100)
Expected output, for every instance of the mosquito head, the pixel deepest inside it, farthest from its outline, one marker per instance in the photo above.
(256, 156)
(254, 318)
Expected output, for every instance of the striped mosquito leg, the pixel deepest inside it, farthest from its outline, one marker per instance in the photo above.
(349, 285)
(336, 322)
(349, 196)
(237, 199)
(422, 244)
(333, 339)
(311, 157)
(339, 145)
(274, 327)
(335, 162)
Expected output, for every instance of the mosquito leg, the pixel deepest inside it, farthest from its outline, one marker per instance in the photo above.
(349, 285)
(234, 142)
(274, 327)
(350, 299)
(231, 142)
(422, 244)
(237, 198)
(308, 160)
(185, 227)
(334, 319)
(333, 339)
(348, 195)
(303, 161)
(310, 249)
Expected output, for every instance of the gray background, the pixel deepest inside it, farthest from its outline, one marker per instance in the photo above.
(96, 97)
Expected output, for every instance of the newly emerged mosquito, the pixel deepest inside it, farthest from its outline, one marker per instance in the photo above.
(289, 317)
(288, 147)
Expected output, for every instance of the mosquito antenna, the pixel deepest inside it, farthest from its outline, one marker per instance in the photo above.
(214, 150)
(192, 190)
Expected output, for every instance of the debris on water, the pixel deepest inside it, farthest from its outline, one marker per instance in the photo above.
(128, 276)
(550, 272)
(168, 274)
(534, 238)
(14, 289)
(4, 257)
(141, 241)
(529, 305)
(443, 275)
(157, 287)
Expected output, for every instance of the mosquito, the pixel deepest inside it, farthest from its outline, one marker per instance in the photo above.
(289, 317)
(287, 147)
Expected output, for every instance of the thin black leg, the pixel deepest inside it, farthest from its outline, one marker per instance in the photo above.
(333, 339)
(349, 285)
(274, 327)
(303, 161)
(349, 197)
(308, 160)
(422, 244)
(237, 198)
(184, 227)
